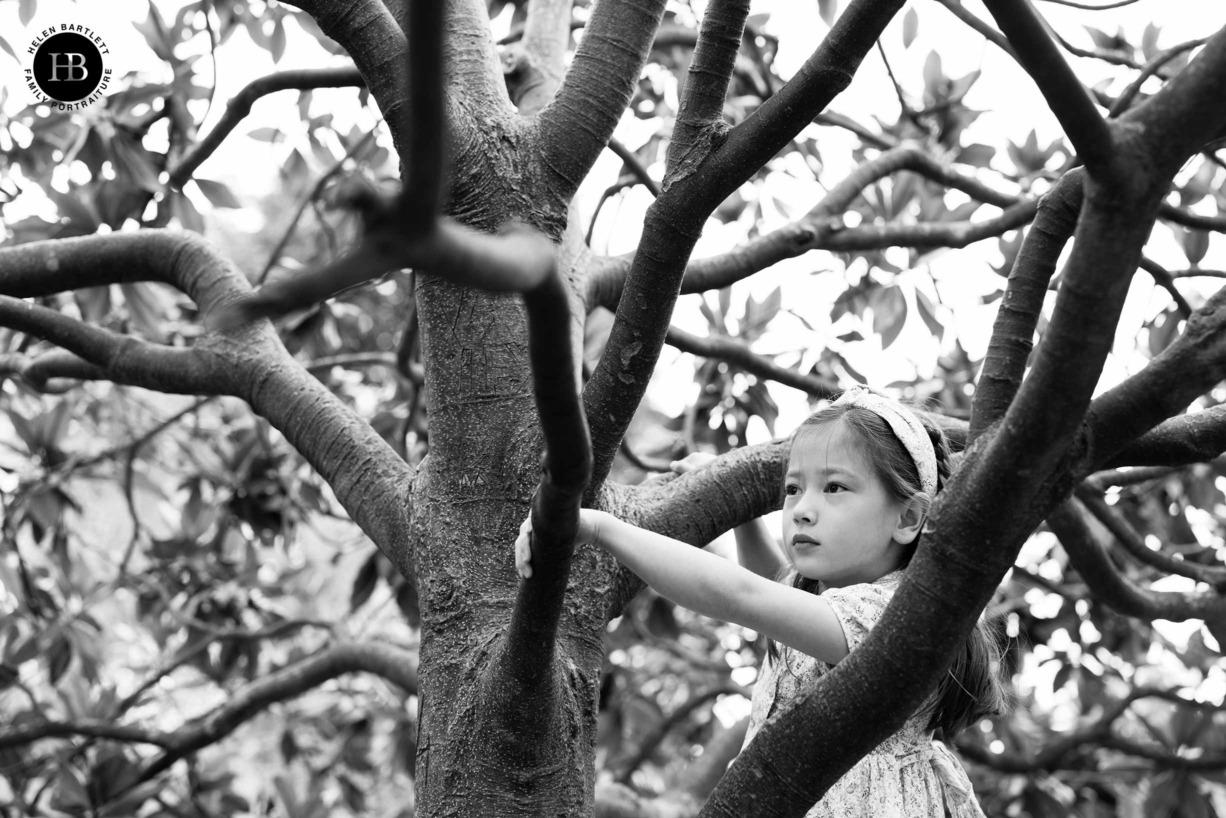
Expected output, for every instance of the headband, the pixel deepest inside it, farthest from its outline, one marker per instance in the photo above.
(905, 425)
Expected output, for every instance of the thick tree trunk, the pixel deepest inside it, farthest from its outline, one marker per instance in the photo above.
(472, 493)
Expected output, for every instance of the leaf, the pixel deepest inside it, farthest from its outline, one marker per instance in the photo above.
(934, 76)
(272, 135)
(828, 9)
(929, 315)
(58, 658)
(276, 43)
(889, 314)
(959, 87)
(364, 582)
(1107, 42)
(976, 154)
(1195, 245)
(76, 210)
(157, 35)
(25, 12)
(758, 314)
(8, 49)
(218, 194)
(296, 170)
(133, 161)
(182, 209)
(1149, 42)
(910, 27)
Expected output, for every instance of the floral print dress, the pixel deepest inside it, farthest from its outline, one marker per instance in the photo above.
(909, 775)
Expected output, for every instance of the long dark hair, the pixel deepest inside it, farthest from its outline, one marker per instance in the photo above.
(973, 687)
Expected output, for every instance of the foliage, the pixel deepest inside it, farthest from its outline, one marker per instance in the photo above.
(159, 555)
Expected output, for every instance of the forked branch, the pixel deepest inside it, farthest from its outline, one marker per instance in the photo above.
(1069, 101)
(1088, 545)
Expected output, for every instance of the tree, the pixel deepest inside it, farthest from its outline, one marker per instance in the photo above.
(508, 674)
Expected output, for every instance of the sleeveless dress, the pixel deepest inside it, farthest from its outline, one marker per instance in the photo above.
(909, 775)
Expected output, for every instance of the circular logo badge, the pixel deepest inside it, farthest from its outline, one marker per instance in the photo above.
(68, 69)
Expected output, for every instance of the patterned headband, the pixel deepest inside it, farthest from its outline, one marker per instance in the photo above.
(905, 425)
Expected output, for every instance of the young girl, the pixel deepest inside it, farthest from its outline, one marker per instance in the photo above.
(861, 477)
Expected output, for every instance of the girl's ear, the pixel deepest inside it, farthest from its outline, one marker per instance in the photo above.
(911, 518)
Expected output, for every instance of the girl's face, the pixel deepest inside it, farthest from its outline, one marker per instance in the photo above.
(840, 524)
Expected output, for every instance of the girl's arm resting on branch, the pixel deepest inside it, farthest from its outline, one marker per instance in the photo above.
(718, 588)
(756, 549)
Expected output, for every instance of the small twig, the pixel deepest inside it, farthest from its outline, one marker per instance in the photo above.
(1151, 68)
(1167, 282)
(636, 166)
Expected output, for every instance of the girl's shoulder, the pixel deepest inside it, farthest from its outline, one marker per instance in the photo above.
(859, 607)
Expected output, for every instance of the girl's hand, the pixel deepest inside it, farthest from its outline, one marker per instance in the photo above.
(693, 460)
(589, 531)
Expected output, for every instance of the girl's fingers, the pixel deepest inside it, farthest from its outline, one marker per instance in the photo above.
(523, 549)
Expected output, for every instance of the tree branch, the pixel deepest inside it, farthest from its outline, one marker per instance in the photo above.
(1151, 68)
(94, 729)
(1193, 438)
(536, 64)
(1068, 99)
(369, 479)
(1010, 345)
(673, 224)
(182, 260)
(1132, 542)
(1187, 113)
(635, 165)
(526, 666)
(753, 142)
(724, 348)
(990, 34)
(652, 740)
(1191, 364)
(396, 665)
(425, 127)
(239, 107)
(575, 127)
(120, 358)
(48, 371)
(1054, 755)
(1032, 458)
(1088, 546)
(822, 229)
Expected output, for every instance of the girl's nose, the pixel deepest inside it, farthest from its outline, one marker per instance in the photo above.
(804, 511)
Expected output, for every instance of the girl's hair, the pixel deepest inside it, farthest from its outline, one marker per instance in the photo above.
(972, 688)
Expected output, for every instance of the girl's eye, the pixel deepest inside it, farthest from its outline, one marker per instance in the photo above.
(835, 488)
(791, 490)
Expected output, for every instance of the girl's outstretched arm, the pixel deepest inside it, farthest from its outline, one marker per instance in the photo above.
(710, 585)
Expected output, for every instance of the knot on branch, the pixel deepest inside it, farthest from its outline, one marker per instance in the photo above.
(707, 140)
